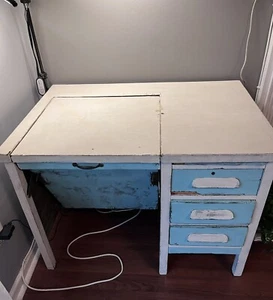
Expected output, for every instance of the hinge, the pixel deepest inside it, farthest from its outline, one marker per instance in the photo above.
(155, 177)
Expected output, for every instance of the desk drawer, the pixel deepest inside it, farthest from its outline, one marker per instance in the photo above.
(214, 212)
(208, 236)
(216, 181)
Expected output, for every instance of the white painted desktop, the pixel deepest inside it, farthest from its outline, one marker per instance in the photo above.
(213, 146)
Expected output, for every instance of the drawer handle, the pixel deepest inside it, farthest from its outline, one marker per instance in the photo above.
(225, 183)
(208, 238)
(209, 214)
(87, 167)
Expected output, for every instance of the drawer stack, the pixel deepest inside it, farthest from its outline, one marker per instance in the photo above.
(211, 207)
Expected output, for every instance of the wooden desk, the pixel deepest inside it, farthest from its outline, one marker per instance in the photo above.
(213, 146)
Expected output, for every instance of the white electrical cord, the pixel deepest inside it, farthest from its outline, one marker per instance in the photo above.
(81, 258)
(264, 65)
(247, 40)
(112, 211)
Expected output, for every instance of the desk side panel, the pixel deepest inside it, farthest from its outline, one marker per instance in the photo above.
(116, 186)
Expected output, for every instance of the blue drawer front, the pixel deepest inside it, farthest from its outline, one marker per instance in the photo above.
(180, 235)
(249, 179)
(228, 212)
(113, 186)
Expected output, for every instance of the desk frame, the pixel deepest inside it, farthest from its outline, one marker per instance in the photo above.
(164, 90)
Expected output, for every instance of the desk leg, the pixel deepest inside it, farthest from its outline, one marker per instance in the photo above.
(240, 259)
(20, 186)
(165, 197)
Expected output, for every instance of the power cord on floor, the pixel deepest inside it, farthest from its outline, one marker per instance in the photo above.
(81, 258)
(112, 211)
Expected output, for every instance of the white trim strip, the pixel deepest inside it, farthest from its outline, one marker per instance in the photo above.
(4, 295)
(86, 158)
(18, 289)
(217, 166)
(201, 247)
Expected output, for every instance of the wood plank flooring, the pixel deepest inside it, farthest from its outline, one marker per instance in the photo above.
(192, 277)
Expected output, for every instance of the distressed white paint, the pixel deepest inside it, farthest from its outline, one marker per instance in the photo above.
(201, 247)
(240, 260)
(226, 122)
(20, 186)
(212, 197)
(209, 214)
(264, 95)
(87, 159)
(228, 183)
(166, 170)
(207, 238)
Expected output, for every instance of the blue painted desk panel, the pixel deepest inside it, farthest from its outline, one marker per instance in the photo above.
(113, 186)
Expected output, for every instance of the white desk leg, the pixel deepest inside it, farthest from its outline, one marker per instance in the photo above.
(165, 195)
(240, 259)
(20, 186)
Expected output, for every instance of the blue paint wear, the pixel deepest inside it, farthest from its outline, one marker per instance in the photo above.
(114, 186)
(179, 235)
(242, 211)
(249, 181)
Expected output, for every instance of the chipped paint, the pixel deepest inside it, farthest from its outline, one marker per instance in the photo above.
(102, 189)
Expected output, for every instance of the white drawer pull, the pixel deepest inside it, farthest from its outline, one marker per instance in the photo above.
(209, 214)
(227, 183)
(208, 238)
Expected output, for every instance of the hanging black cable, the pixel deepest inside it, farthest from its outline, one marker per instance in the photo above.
(34, 40)
(42, 79)
(33, 51)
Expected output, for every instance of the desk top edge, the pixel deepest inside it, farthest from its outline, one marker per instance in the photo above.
(102, 90)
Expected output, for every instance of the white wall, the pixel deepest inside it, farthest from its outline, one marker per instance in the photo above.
(17, 97)
(100, 41)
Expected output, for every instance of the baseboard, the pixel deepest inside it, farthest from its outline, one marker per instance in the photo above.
(18, 289)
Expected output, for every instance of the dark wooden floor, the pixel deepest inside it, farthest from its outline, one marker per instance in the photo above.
(192, 277)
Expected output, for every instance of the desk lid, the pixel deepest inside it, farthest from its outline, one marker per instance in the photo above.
(92, 129)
